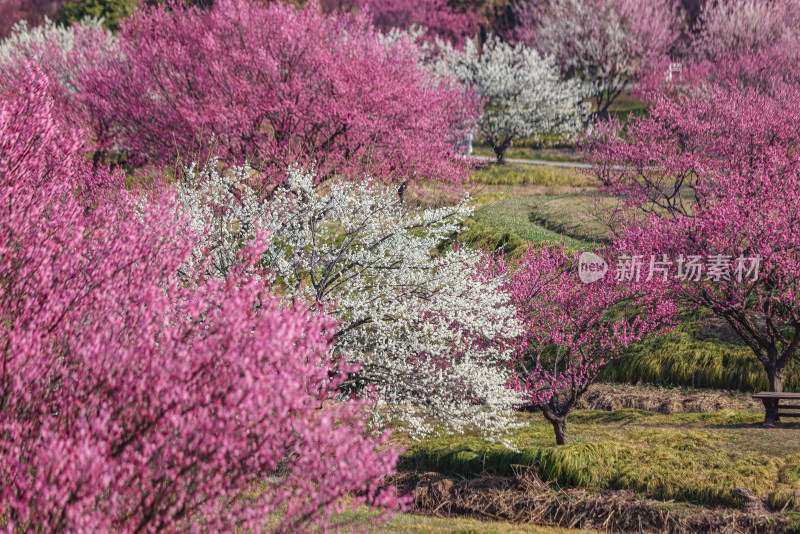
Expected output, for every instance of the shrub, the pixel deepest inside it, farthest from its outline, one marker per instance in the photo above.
(132, 400)
(110, 11)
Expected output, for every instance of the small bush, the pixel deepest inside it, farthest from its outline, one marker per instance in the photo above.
(111, 11)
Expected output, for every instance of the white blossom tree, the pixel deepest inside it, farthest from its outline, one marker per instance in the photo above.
(50, 46)
(426, 330)
(605, 43)
(225, 209)
(524, 94)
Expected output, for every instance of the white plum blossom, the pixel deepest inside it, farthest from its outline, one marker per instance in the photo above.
(25, 42)
(224, 208)
(50, 45)
(604, 43)
(425, 329)
(525, 95)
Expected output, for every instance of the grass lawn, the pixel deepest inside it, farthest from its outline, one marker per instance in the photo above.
(574, 215)
(563, 155)
(693, 457)
(514, 215)
(545, 219)
(522, 174)
(539, 204)
(402, 523)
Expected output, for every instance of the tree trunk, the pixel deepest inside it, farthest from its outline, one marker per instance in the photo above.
(557, 418)
(775, 376)
(560, 428)
(500, 152)
(97, 159)
(774, 371)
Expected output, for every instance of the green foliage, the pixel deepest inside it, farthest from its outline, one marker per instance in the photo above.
(514, 216)
(111, 11)
(524, 174)
(481, 236)
(681, 359)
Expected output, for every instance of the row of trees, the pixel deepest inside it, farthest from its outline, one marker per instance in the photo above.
(714, 171)
(169, 348)
(154, 94)
(297, 87)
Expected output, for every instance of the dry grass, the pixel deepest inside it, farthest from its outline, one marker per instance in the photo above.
(524, 498)
(514, 215)
(524, 174)
(684, 359)
(428, 523)
(608, 397)
(563, 155)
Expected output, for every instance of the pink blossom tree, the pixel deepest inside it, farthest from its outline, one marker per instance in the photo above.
(574, 329)
(61, 52)
(744, 26)
(436, 16)
(605, 43)
(294, 86)
(711, 179)
(773, 71)
(33, 12)
(131, 400)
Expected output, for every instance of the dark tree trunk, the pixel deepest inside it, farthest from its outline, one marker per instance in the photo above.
(560, 428)
(559, 421)
(774, 371)
(500, 151)
(775, 376)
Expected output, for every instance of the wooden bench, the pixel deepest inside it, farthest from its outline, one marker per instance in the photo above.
(774, 409)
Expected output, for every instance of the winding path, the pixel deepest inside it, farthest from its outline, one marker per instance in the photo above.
(567, 164)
